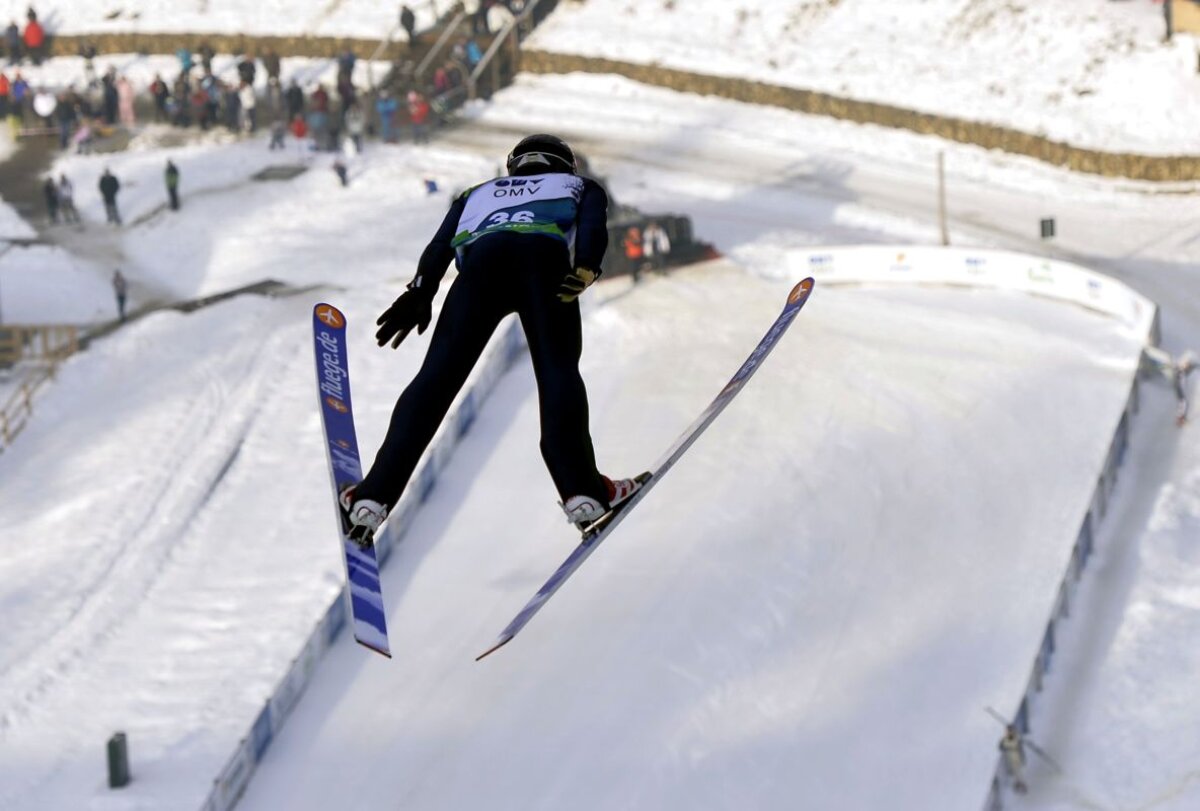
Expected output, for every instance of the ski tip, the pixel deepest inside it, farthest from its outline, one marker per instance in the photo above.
(380, 650)
(500, 643)
(801, 290)
(329, 315)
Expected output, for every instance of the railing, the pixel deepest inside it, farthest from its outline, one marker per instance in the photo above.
(511, 35)
(383, 45)
(439, 45)
(17, 410)
(44, 342)
(46, 346)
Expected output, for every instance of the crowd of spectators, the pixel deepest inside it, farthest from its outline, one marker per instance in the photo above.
(325, 115)
(322, 115)
(24, 43)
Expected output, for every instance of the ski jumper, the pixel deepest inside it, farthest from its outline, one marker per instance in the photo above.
(514, 239)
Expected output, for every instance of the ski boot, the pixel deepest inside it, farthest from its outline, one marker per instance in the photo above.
(363, 516)
(587, 514)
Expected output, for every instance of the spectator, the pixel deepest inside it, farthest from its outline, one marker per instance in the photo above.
(50, 192)
(454, 74)
(111, 99)
(318, 117)
(5, 96)
(109, 186)
(1013, 751)
(64, 111)
(120, 289)
(345, 62)
(83, 137)
(299, 130)
(408, 21)
(320, 99)
(198, 104)
(246, 69)
(656, 245)
(248, 101)
(1175, 371)
(206, 57)
(634, 250)
(19, 93)
(35, 39)
(12, 42)
(185, 61)
(356, 124)
(66, 200)
(386, 107)
(158, 89)
(477, 10)
(87, 50)
(278, 131)
(172, 179)
(233, 105)
(1179, 374)
(125, 102)
(293, 98)
(271, 63)
(418, 114)
(473, 56)
(347, 93)
(441, 80)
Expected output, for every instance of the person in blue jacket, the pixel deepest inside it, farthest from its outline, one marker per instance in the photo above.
(527, 243)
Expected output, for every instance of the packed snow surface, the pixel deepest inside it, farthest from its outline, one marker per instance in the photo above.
(787, 614)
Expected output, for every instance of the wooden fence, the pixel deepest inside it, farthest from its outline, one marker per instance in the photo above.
(39, 349)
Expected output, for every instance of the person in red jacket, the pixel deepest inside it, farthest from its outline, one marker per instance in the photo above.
(418, 114)
(35, 39)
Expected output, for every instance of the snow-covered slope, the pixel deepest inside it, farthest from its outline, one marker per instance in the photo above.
(1094, 73)
(1090, 72)
(176, 577)
(829, 569)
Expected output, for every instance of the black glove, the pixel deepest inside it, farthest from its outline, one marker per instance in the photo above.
(414, 308)
(575, 283)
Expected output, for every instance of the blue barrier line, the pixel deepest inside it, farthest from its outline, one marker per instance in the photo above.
(230, 784)
(1085, 543)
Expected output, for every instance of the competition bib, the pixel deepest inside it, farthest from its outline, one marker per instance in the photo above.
(534, 204)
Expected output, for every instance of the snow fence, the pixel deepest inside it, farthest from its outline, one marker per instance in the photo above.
(229, 785)
(1004, 270)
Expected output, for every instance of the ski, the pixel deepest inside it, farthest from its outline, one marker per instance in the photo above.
(345, 468)
(600, 529)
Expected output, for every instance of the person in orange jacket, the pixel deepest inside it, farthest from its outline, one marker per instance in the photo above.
(634, 252)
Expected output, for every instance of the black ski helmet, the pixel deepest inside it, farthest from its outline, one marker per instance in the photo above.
(541, 153)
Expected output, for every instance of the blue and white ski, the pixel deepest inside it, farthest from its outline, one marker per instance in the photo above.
(600, 530)
(345, 468)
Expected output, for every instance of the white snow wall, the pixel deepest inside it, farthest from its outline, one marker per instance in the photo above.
(228, 786)
(1036, 276)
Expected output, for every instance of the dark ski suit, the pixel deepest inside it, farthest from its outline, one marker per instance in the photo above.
(512, 255)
